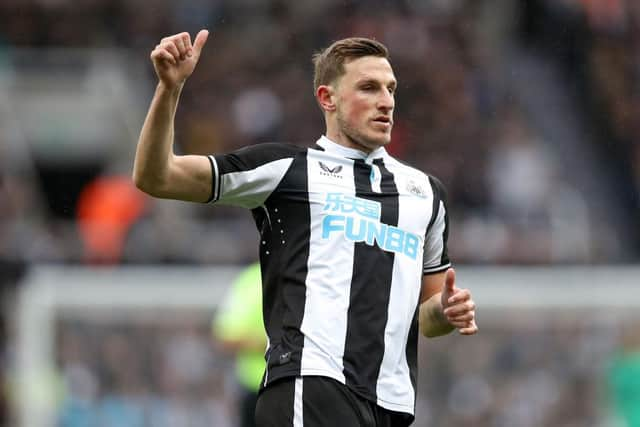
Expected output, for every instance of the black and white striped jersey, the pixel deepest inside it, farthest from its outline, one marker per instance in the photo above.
(345, 238)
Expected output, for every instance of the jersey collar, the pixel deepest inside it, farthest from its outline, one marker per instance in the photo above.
(351, 153)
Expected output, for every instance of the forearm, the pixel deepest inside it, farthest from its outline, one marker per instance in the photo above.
(155, 145)
(432, 320)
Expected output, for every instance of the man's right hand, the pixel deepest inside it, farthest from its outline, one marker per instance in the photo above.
(175, 58)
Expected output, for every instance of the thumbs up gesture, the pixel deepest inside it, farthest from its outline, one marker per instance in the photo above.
(457, 305)
(175, 57)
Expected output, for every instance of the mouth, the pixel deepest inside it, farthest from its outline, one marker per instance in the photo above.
(384, 120)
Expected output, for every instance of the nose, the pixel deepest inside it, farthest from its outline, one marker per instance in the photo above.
(386, 102)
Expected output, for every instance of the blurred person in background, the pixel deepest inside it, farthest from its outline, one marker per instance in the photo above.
(623, 377)
(107, 209)
(353, 243)
(238, 326)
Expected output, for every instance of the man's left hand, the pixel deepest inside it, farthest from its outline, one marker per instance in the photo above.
(457, 305)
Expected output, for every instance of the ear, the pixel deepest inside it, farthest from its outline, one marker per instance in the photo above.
(325, 97)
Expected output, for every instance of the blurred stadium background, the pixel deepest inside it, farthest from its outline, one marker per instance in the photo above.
(527, 110)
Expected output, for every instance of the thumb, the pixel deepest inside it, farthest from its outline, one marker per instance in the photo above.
(450, 280)
(201, 39)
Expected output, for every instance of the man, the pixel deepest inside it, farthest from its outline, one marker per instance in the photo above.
(352, 242)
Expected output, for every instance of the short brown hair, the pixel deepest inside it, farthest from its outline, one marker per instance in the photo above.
(329, 63)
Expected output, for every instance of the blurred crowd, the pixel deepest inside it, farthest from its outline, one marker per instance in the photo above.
(611, 47)
(555, 372)
(459, 117)
(533, 374)
(597, 44)
(174, 375)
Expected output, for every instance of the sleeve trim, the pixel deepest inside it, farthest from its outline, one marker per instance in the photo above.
(215, 180)
(438, 269)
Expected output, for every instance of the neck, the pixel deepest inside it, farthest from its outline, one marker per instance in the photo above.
(346, 141)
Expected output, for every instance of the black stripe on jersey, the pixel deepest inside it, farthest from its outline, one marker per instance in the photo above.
(370, 289)
(444, 259)
(411, 350)
(254, 156)
(284, 233)
(438, 188)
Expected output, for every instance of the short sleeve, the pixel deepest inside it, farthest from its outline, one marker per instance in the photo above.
(436, 258)
(246, 177)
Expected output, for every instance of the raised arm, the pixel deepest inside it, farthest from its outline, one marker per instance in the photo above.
(157, 170)
(445, 307)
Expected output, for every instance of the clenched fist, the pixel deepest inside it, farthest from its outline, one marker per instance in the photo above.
(175, 58)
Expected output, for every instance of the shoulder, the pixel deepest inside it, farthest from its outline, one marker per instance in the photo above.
(253, 156)
(415, 176)
(403, 168)
(270, 150)
(437, 186)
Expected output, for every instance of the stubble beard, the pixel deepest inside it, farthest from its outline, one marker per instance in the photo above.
(358, 138)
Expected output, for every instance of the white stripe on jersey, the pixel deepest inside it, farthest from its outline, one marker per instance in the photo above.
(298, 418)
(393, 388)
(249, 189)
(324, 323)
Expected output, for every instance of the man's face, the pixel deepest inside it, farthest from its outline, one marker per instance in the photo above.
(365, 102)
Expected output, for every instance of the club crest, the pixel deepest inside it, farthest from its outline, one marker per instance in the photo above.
(416, 189)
